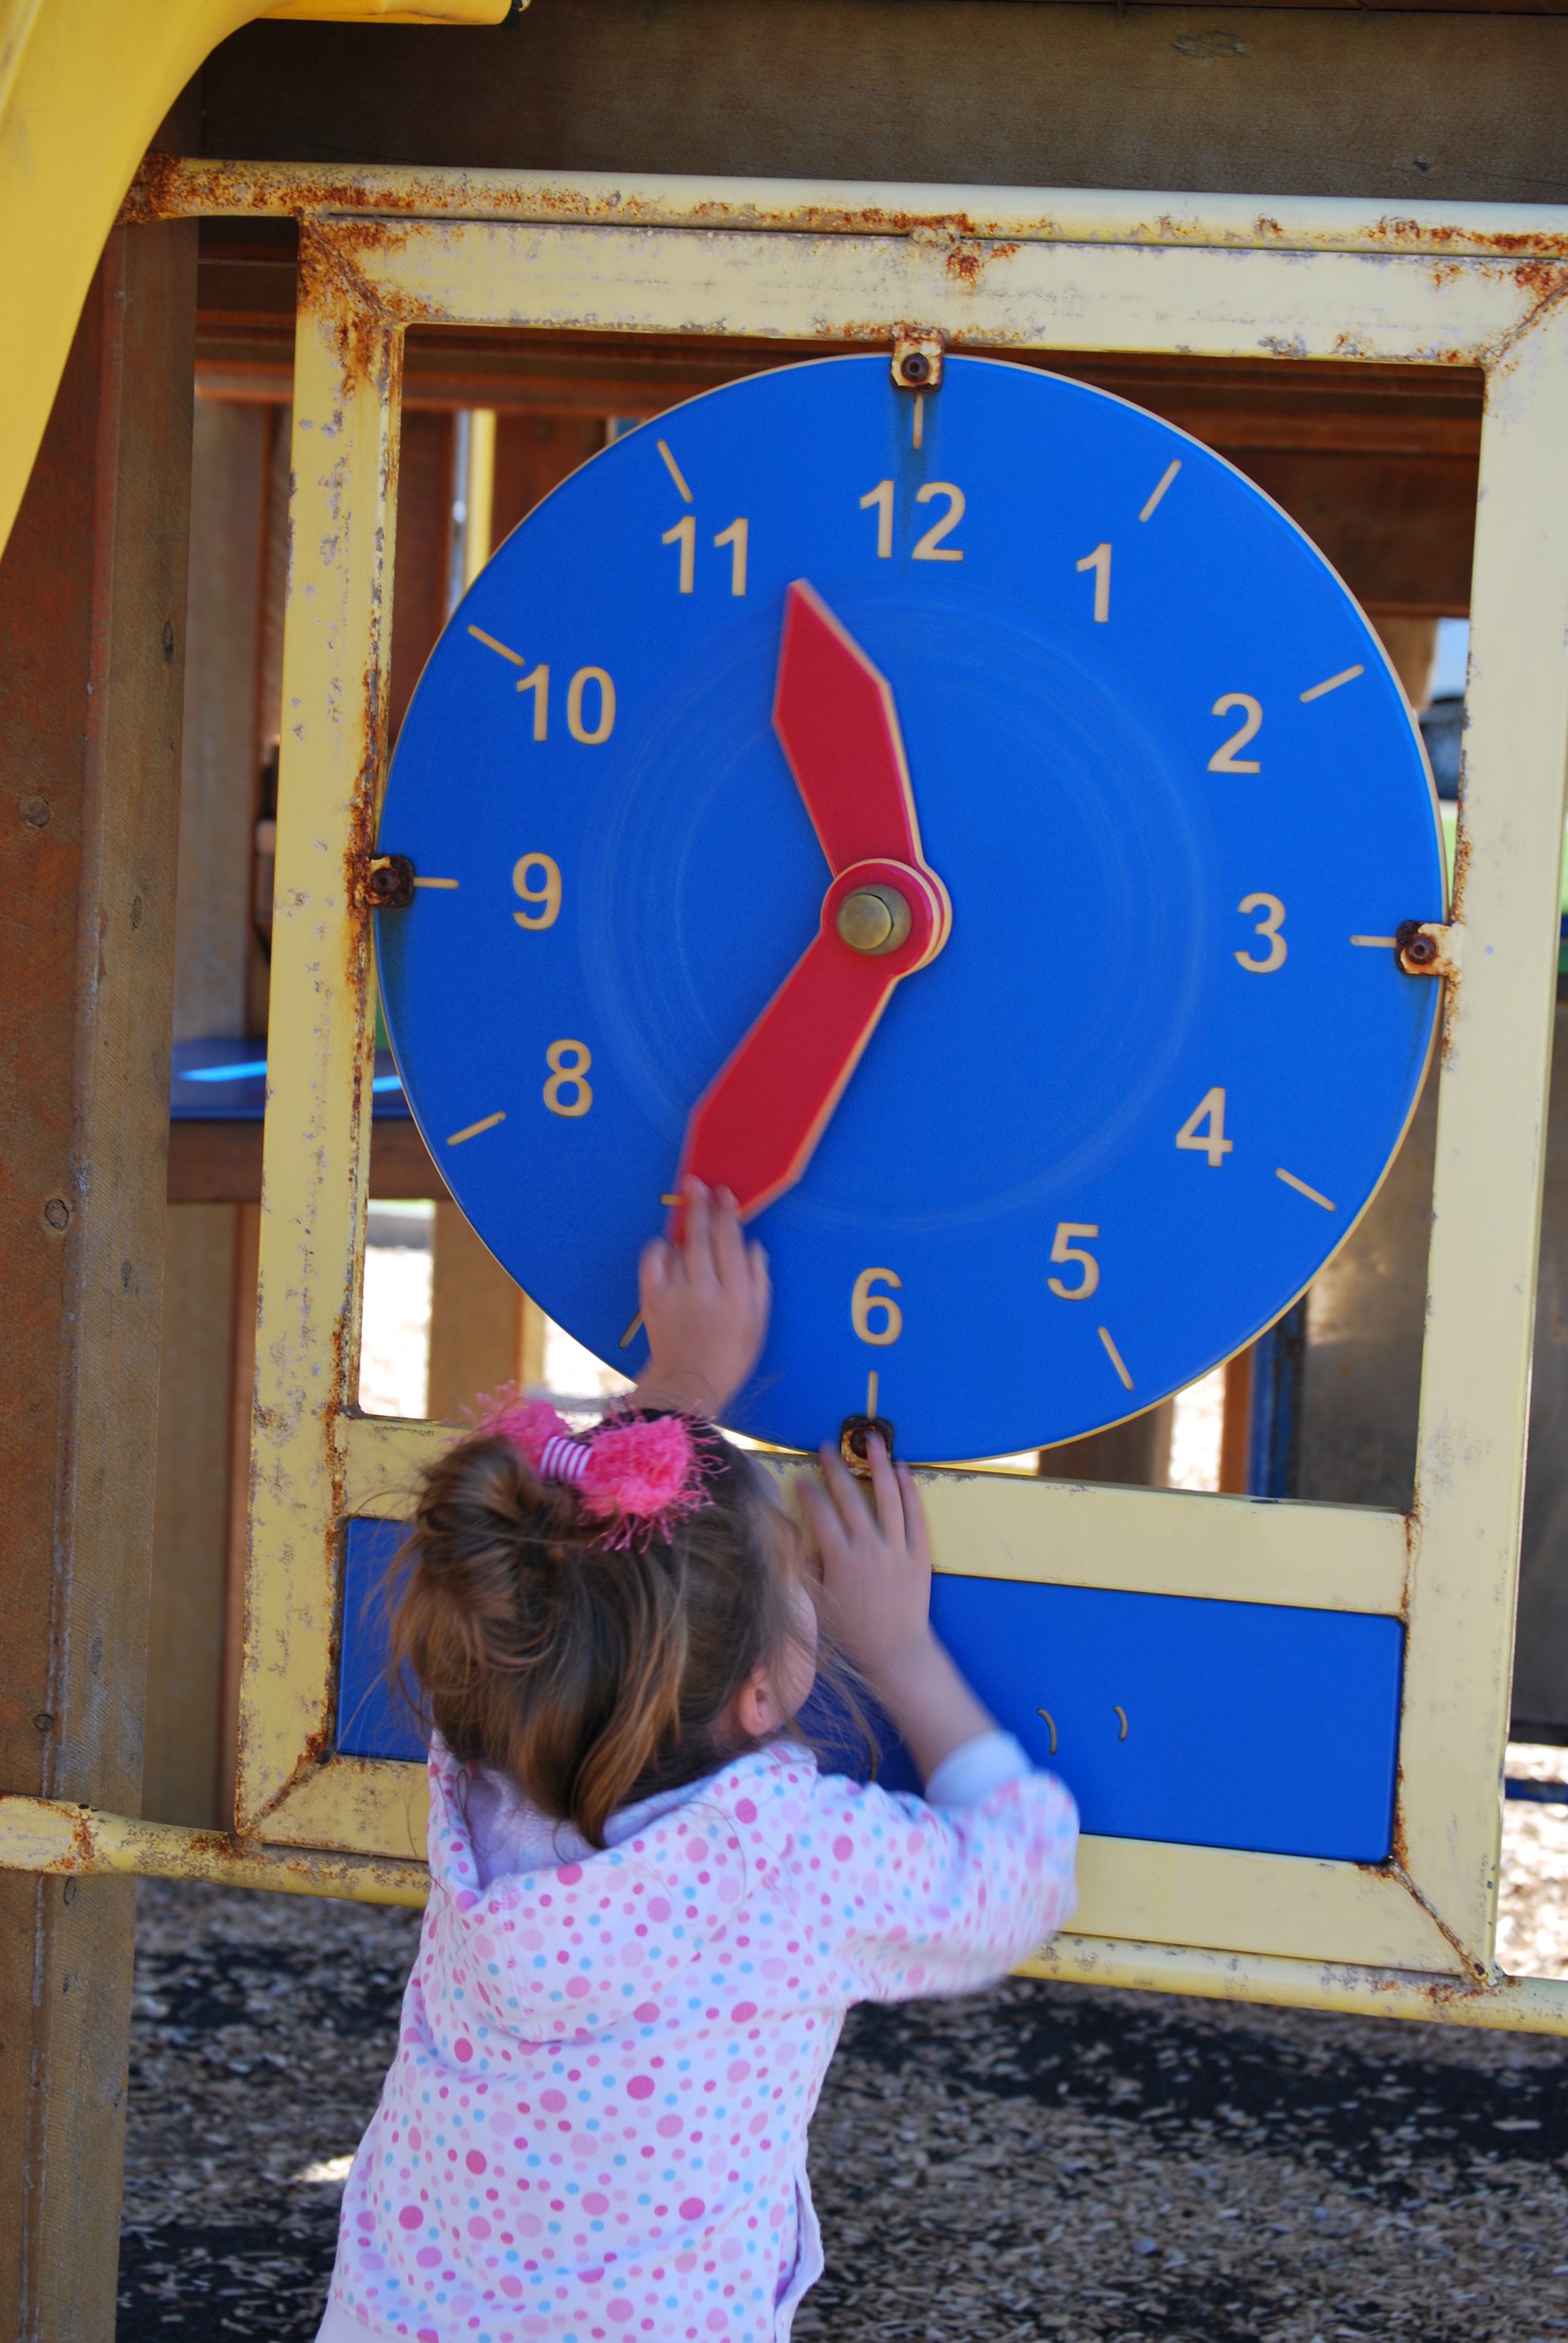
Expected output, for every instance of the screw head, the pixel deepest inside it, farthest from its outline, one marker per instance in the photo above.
(916, 368)
(1422, 949)
(390, 883)
(873, 919)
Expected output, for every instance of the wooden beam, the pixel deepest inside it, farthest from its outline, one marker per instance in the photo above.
(92, 647)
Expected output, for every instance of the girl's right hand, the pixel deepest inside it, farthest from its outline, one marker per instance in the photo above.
(876, 1569)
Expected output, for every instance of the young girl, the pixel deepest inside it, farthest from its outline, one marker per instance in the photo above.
(648, 1911)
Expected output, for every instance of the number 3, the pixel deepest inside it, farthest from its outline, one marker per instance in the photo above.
(1063, 1249)
(574, 1076)
(862, 1302)
(1269, 928)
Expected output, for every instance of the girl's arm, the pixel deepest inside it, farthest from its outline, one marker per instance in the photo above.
(876, 1567)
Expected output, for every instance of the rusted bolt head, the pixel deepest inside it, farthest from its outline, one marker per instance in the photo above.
(915, 368)
(1415, 949)
(852, 1436)
(389, 882)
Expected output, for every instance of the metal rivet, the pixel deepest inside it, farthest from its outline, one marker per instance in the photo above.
(57, 1213)
(853, 1433)
(43, 1722)
(389, 882)
(916, 367)
(36, 811)
(873, 919)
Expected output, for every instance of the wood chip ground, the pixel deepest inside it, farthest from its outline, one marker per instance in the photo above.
(1042, 2162)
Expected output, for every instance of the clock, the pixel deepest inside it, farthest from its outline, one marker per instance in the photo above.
(973, 825)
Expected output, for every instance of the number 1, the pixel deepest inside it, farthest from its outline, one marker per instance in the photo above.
(881, 496)
(684, 534)
(736, 536)
(1100, 562)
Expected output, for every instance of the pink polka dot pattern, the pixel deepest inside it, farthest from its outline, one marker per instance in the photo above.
(595, 2125)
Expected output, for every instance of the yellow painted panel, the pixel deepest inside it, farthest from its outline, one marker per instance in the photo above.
(371, 1805)
(950, 218)
(84, 86)
(1024, 295)
(1277, 1903)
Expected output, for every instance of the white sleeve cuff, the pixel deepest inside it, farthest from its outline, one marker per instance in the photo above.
(976, 1768)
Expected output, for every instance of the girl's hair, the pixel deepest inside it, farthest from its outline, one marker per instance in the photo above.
(591, 1676)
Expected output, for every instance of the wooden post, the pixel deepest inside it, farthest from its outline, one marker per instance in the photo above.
(92, 641)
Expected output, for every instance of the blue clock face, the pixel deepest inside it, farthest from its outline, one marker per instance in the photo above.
(1163, 770)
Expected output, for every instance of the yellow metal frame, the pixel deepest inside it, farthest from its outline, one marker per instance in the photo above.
(383, 249)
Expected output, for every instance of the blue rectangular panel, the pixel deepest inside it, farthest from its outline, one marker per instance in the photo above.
(1247, 1724)
(370, 1721)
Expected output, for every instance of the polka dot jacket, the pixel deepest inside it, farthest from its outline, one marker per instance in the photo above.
(595, 2125)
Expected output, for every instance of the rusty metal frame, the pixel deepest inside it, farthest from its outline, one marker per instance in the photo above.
(383, 249)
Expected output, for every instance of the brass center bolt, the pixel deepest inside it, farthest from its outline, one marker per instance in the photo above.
(873, 919)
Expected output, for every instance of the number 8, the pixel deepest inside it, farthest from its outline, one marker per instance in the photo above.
(574, 1075)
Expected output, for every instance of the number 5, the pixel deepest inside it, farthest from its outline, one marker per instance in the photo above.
(1063, 1249)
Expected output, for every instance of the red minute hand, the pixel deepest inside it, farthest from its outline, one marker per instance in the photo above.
(757, 1125)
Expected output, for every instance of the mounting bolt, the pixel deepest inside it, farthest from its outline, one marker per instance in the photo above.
(852, 1436)
(918, 361)
(1428, 948)
(389, 882)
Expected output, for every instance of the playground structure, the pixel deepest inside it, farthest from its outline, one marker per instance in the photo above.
(92, 606)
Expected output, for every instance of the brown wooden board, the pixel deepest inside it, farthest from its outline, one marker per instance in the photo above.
(220, 1163)
(1354, 101)
(92, 645)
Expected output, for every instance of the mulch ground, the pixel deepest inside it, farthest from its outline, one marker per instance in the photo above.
(1044, 2161)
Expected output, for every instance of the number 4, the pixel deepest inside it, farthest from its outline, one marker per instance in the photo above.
(1214, 1143)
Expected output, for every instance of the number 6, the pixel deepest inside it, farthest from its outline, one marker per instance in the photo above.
(862, 1302)
(1064, 1250)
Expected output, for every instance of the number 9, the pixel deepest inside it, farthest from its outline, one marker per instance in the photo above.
(548, 895)
(862, 1302)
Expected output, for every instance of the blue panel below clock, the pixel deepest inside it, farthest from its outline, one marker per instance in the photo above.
(1248, 1724)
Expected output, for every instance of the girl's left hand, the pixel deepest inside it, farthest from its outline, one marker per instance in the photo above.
(705, 1305)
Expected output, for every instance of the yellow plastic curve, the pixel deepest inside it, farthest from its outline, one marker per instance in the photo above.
(84, 85)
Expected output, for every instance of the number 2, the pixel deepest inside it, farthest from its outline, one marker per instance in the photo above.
(1064, 1250)
(1214, 1143)
(862, 1302)
(930, 546)
(1224, 759)
(1269, 928)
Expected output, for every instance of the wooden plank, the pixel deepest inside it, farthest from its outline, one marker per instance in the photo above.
(1262, 101)
(220, 1163)
(92, 642)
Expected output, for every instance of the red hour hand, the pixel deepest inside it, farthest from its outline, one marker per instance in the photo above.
(836, 720)
(757, 1125)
